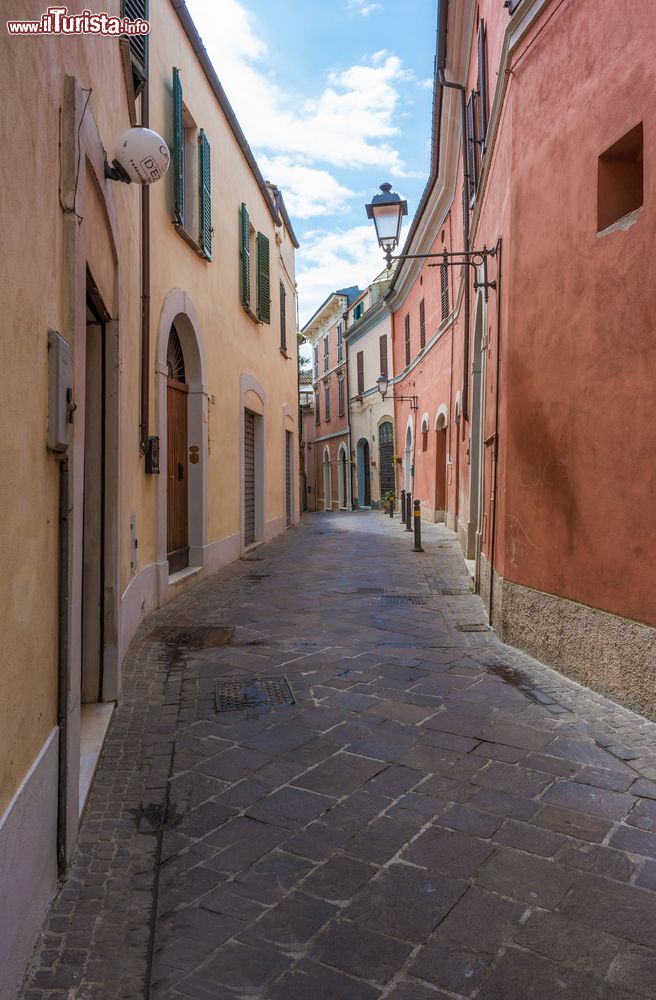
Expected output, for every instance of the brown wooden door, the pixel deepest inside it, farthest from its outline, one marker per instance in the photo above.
(177, 511)
(249, 478)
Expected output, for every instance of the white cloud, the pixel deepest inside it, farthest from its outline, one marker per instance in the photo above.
(331, 260)
(349, 123)
(308, 191)
(364, 8)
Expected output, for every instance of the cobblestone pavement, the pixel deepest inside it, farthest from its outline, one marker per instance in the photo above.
(437, 816)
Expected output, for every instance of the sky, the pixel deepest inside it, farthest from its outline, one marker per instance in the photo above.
(334, 99)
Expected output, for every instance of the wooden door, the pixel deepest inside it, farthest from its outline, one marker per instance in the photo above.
(177, 503)
(249, 478)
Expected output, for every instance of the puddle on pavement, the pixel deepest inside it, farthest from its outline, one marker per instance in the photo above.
(518, 679)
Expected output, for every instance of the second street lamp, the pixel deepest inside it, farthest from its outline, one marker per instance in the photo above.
(383, 385)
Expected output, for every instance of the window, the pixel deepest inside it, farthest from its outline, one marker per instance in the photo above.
(407, 339)
(326, 353)
(422, 324)
(620, 179)
(444, 289)
(340, 342)
(192, 176)
(283, 318)
(326, 390)
(424, 438)
(340, 396)
(382, 348)
(255, 281)
(482, 98)
(471, 148)
(317, 408)
(315, 362)
(358, 311)
(136, 10)
(360, 367)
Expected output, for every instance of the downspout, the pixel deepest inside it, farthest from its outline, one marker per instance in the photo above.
(145, 294)
(62, 665)
(465, 206)
(348, 414)
(493, 526)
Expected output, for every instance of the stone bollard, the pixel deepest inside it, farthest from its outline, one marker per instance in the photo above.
(416, 517)
(408, 512)
(403, 508)
(391, 503)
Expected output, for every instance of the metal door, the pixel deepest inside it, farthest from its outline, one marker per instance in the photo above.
(249, 478)
(289, 439)
(177, 503)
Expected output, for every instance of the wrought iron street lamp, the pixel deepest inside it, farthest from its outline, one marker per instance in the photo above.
(388, 209)
(383, 385)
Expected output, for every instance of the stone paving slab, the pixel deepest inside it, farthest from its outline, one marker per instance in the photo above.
(437, 816)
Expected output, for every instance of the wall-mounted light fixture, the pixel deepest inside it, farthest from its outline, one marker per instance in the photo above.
(383, 385)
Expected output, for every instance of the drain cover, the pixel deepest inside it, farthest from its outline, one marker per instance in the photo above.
(396, 599)
(453, 591)
(235, 695)
(370, 590)
(472, 627)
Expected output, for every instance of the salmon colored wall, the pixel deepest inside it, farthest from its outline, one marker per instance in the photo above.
(581, 346)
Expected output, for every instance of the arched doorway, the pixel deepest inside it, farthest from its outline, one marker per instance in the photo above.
(177, 498)
(327, 481)
(364, 473)
(407, 461)
(342, 477)
(386, 458)
(440, 464)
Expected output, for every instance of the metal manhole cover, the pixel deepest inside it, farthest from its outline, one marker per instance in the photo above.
(472, 627)
(397, 599)
(370, 590)
(235, 695)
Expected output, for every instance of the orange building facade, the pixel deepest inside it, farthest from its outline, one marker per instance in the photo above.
(533, 367)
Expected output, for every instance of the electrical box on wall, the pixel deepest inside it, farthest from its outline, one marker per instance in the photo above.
(60, 405)
(152, 457)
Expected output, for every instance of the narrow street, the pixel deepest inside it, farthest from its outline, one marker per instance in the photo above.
(436, 816)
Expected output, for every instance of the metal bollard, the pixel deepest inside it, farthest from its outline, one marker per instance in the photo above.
(416, 517)
(408, 512)
(403, 509)
(391, 503)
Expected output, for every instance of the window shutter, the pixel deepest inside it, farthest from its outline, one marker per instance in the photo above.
(407, 339)
(205, 235)
(263, 281)
(444, 289)
(482, 87)
(245, 252)
(360, 360)
(178, 150)
(383, 355)
(512, 5)
(340, 390)
(327, 403)
(283, 318)
(471, 149)
(316, 362)
(137, 10)
(422, 324)
(317, 408)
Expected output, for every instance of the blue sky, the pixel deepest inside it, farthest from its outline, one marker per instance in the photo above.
(334, 99)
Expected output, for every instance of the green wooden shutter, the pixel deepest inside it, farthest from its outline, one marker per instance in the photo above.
(263, 281)
(245, 252)
(205, 214)
(471, 149)
(283, 318)
(178, 150)
(137, 10)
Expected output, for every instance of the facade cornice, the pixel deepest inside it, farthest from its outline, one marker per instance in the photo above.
(325, 317)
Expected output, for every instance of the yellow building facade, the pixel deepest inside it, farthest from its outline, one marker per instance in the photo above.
(150, 405)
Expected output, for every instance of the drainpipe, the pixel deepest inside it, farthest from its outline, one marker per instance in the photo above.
(348, 413)
(465, 225)
(493, 526)
(62, 667)
(145, 294)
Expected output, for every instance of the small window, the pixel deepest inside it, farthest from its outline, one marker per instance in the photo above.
(444, 289)
(317, 408)
(382, 347)
(327, 402)
(326, 353)
(340, 396)
(360, 366)
(422, 324)
(192, 176)
(137, 10)
(315, 362)
(424, 439)
(340, 342)
(620, 182)
(358, 311)
(283, 318)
